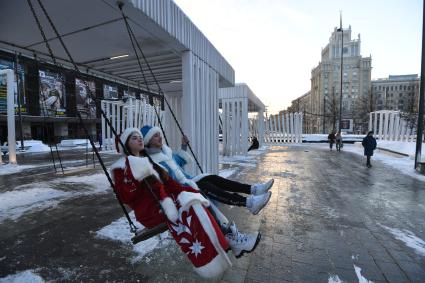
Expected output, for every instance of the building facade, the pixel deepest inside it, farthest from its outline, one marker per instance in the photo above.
(399, 92)
(302, 105)
(48, 98)
(326, 85)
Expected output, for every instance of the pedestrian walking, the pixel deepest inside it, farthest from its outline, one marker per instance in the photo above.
(338, 139)
(369, 144)
(331, 140)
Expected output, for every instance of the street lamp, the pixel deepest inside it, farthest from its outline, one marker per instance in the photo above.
(420, 127)
(342, 55)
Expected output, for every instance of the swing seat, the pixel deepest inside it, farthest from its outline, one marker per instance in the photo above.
(147, 233)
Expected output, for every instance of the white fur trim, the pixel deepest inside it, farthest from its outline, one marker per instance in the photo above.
(220, 217)
(141, 167)
(124, 136)
(185, 155)
(170, 209)
(214, 268)
(200, 176)
(221, 262)
(187, 199)
(166, 155)
(150, 134)
(119, 164)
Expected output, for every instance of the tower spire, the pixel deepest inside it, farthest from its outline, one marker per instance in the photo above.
(340, 19)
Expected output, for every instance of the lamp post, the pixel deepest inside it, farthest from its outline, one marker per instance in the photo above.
(420, 126)
(342, 70)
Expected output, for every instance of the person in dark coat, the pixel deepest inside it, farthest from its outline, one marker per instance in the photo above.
(255, 144)
(369, 144)
(331, 139)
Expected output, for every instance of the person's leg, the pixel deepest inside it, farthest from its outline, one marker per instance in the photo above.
(254, 203)
(368, 161)
(218, 194)
(226, 184)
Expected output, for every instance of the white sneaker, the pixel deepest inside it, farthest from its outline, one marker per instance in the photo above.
(242, 243)
(261, 188)
(256, 203)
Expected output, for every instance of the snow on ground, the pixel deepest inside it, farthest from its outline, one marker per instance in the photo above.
(13, 204)
(248, 160)
(226, 173)
(400, 163)
(12, 169)
(324, 137)
(46, 195)
(360, 276)
(119, 231)
(408, 238)
(27, 276)
(408, 148)
(334, 279)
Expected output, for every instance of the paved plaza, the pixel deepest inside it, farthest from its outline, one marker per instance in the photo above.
(330, 219)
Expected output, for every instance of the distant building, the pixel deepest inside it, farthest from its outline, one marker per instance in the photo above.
(399, 92)
(325, 85)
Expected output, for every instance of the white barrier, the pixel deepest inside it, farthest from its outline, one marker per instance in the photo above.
(285, 128)
(131, 114)
(389, 125)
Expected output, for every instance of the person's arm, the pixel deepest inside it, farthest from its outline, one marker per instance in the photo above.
(126, 190)
(185, 142)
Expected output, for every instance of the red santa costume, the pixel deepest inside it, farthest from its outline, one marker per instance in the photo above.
(190, 223)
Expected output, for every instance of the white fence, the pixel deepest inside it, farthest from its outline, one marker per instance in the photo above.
(286, 128)
(133, 113)
(389, 125)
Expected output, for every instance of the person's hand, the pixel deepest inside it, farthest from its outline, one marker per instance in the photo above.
(185, 140)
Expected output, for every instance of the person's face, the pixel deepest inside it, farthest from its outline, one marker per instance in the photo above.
(135, 143)
(156, 141)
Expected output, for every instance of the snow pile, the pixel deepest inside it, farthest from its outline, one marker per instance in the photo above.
(13, 204)
(324, 137)
(98, 183)
(334, 279)
(35, 146)
(226, 173)
(408, 148)
(408, 238)
(44, 195)
(360, 276)
(239, 160)
(12, 168)
(74, 143)
(119, 231)
(27, 276)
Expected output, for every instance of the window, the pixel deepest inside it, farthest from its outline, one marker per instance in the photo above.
(391, 87)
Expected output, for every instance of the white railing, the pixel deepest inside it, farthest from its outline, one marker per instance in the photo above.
(133, 113)
(286, 128)
(390, 125)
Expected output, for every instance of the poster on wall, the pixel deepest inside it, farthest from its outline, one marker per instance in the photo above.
(347, 125)
(52, 94)
(85, 105)
(3, 95)
(110, 92)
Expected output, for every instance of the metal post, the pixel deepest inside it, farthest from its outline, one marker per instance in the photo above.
(19, 99)
(421, 100)
(342, 70)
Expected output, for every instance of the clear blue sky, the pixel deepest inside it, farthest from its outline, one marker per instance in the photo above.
(274, 44)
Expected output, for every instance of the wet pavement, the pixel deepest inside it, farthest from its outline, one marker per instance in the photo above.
(329, 217)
